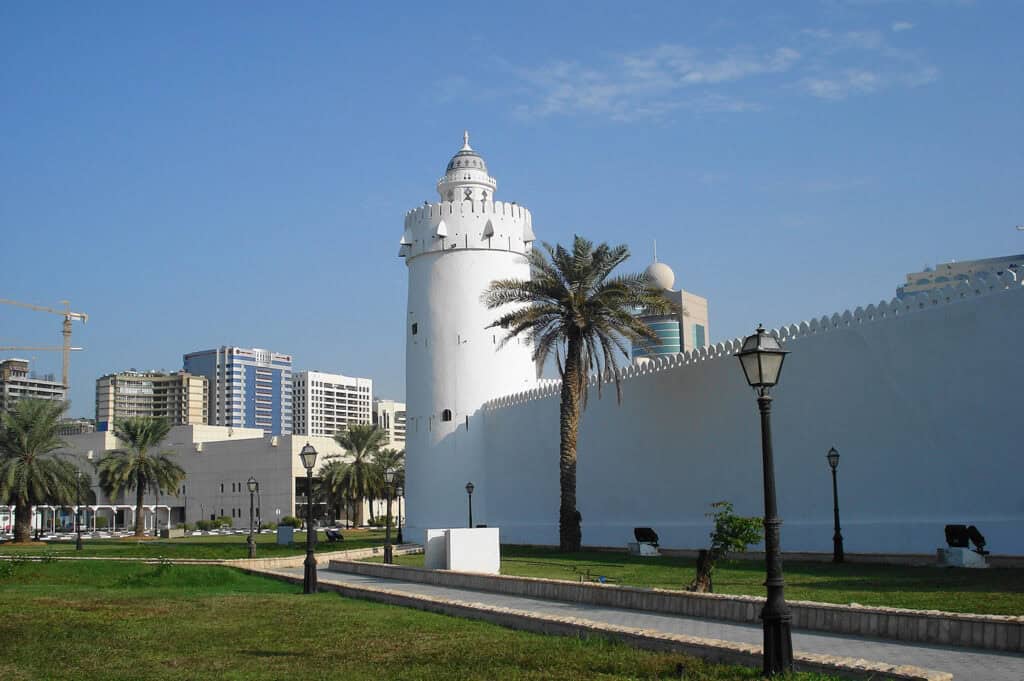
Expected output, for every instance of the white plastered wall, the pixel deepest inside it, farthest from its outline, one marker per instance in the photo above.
(923, 405)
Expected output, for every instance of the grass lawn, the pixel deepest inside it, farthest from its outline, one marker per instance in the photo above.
(106, 621)
(992, 591)
(215, 546)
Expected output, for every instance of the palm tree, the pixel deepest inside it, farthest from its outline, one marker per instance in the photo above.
(361, 441)
(30, 472)
(138, 467)
(331, 479)
(571, 306)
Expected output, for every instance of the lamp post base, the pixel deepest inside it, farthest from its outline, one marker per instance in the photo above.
(778, 645)
(388, 553)
(251, 546)
(309, 585)
(78, 542)
(837, 549)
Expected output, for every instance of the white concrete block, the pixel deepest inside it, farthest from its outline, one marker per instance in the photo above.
(642, 548)
(474, 550)
(961, 557)
(435, 550)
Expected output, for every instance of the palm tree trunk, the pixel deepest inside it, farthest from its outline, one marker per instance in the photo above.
(23, 522)
(140, 489)
(570, 535)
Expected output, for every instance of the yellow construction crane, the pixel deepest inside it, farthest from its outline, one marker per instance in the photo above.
(68, 317)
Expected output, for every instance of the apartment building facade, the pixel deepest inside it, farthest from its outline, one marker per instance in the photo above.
(248, 387)
(181, 398)
(390, 416)
(326, 403)
(17, 382)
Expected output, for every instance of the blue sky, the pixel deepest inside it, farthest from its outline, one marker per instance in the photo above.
(197, 174)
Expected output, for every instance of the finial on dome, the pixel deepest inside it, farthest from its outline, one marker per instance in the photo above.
(465, 141)
(655, 250)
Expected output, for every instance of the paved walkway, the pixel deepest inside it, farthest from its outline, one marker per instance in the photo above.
(964, 664)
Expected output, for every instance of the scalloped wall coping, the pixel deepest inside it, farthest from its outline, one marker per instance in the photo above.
(983, 285)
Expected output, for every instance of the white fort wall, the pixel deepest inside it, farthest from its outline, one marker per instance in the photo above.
(921, 397)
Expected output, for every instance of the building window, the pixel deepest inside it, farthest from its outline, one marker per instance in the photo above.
(415, 328)
(446, 415)
(698, 335)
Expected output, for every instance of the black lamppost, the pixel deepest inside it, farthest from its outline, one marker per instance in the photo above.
(389, 478)
(469, 490)
(399, 493)
(308, 456)
(156, 514)
(251, 541)
(78, 510)
(837, 535)
(761, 358)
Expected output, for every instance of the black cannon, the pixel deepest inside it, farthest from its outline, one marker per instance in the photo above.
(646, 535)
(960, 536)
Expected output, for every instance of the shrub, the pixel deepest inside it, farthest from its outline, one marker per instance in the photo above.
(206, 525)
(268, 526)
(224, 521)
(102, 521)
(379, 521)
(188, 527)
(291, 521)
(731, 533)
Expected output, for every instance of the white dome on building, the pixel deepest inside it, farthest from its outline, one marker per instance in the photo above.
(466, 177)
(660, 275)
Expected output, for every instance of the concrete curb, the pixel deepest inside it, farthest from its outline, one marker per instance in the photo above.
(245, 563)
(990, 632)
(712, 650)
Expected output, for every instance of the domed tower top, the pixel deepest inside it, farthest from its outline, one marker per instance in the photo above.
(466, 178)
(659, 274)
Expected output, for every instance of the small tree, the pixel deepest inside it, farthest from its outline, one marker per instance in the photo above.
(731, 533)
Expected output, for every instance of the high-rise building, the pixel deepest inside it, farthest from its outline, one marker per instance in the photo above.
(17, 382)
(677, 332)
(390, 416)
(326, 403)
(248, 387)
(952, 273)
(181, 398)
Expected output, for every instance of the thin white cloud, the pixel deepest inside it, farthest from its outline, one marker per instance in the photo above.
(650, 83)
(654, 83)
(900, 26)
(854, 63)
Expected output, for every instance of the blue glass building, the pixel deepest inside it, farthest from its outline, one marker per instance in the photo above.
(249, 387)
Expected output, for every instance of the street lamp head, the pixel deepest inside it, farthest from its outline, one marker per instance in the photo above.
(389, 475)
(470, 487)
(833, 458)
(761, 358)
(308, 456)
(251, 484)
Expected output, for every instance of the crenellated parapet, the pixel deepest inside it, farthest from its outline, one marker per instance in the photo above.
(454, 225)
(1005, 283)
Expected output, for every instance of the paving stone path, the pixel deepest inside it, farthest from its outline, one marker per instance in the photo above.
(965, 664)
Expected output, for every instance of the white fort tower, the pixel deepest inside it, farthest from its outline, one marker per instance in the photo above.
(453, 364)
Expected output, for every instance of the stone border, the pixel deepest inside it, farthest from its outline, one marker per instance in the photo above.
(712, 650)
(991, 632)
(244, 563)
